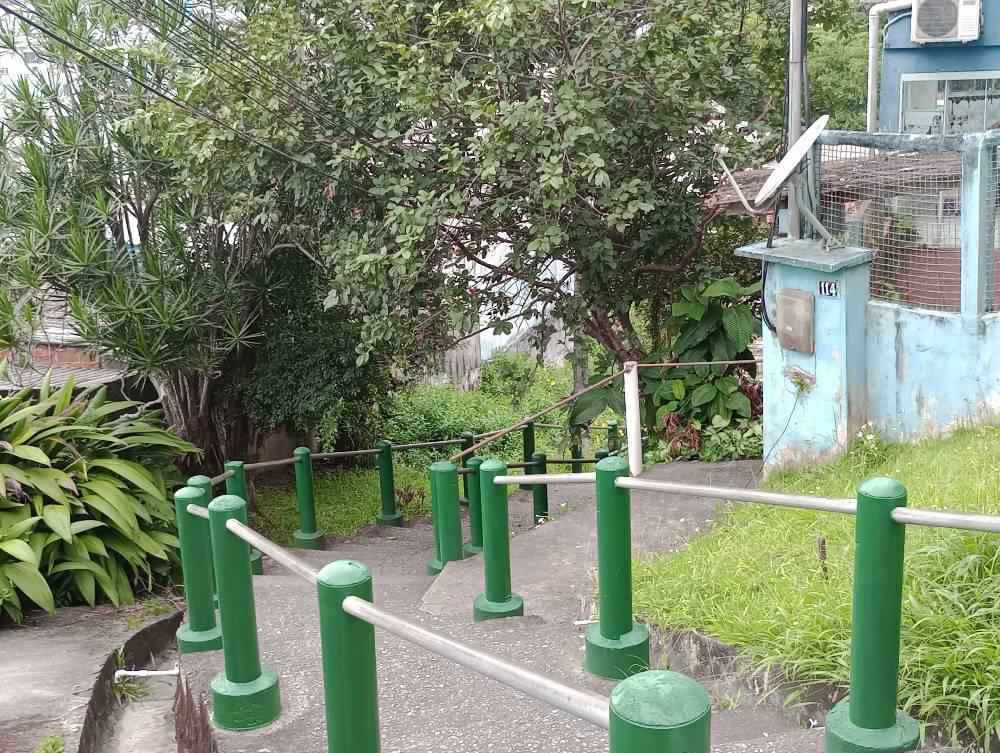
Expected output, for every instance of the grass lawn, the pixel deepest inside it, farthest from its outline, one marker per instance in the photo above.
(757, 579)
(345, 502)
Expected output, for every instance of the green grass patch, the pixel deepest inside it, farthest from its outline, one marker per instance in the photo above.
(52, 744)
(345, 502)
(777, 582)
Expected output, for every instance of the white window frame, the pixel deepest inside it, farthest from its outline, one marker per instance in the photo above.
(945, 76)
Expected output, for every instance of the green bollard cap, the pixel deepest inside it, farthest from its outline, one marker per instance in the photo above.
(882, 487)
(612, 463)
(443, 466)
(659, 698)
(227, 503)
(343, 573)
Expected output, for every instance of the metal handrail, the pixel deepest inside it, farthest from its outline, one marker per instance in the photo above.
(267, 464)
(198, 511)
(547, 478)
(942, 519)
(272, 550)
(224, 476)
(422, 445)
(343, 454)
(581, 704)
(262, 544)
(735, 494)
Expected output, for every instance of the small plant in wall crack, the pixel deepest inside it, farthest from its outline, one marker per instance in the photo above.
(802, 380)
(127, 689)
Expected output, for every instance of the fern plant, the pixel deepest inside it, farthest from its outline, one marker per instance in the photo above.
(84, 497)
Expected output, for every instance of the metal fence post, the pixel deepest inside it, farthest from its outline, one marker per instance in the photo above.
(306, 536)
(660, 712)
(245, 694)
(868, 719)
(350, 682)
(388, 515)
(473, 490)
(445, 516)
(614, 437)
(539, 492)
(468, 440)
(497, 600)
(576, 451)
(204, 485)
(237, 485)
(528, 445)
(199, 632)
(617, 646)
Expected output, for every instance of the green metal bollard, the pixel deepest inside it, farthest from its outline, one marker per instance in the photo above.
(237, 485)
(200, 632)
(576, 452)
(868, 720)
(435, 565)
(528, 443)
(307, 536)
(660, 712)
(388, 515)
(473, 490)
(204, 485)
(468, 440)
(350, 682)
(245, 694)
(539, 492)
(614, 438)
(617, 646)
(497, 600)
(445, 516)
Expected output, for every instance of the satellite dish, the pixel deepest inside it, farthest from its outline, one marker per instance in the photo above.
(790, 162)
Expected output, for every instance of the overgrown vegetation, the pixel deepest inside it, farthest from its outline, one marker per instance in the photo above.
(84, 502)
(777, 582)
(346, 501)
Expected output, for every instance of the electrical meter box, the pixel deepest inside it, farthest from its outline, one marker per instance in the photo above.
(795, 320)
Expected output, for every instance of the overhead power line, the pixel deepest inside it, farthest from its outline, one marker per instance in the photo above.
(155, 91)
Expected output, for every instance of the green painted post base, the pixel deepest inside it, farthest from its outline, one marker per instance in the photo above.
(483, 609)
(256, 563)
(434, 567)
(617, 658)
(245, 705)
(192, 641)
(396, 519)
(843, 736)
(471, 550)
(660, 712)
(314, 540)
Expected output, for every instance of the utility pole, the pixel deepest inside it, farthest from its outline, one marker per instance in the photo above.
(795, 54)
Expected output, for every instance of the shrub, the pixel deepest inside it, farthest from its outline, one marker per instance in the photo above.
(84, 499)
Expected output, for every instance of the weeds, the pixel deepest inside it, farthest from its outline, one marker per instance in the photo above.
(127, 689)
(53, 744)
(777, 582)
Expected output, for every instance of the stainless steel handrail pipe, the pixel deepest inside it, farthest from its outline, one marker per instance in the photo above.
(966, 521)
(581, 704)
(272, 550)
(735, 494)
(548, 478)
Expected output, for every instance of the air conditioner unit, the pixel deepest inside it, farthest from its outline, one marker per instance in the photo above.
(946, 20)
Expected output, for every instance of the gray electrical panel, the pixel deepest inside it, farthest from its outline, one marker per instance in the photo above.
(795, 320)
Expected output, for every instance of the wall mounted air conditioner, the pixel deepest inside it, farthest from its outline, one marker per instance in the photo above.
(946, 20)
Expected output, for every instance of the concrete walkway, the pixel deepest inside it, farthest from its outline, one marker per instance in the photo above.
(428, 704)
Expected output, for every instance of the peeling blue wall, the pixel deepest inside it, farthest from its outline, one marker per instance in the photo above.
(900, 56)
(928, 371)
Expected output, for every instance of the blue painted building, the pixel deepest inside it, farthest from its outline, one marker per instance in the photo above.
(895, 323)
